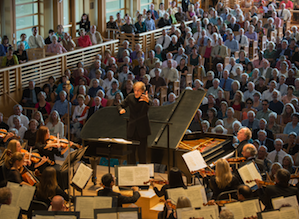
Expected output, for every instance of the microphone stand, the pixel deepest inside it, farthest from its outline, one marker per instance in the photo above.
(68, 86)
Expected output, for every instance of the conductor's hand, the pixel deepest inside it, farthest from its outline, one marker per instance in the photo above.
(122, 111)
(144, 97)
(135, 189)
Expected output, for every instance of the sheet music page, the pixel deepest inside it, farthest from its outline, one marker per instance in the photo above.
(107, 215)
(82, 176)
(278, 202)
(102, 202)
(212, 208)
(194, 160)
(253, 171)
(250, 208)
(15, 189)
(236, 208)
(128, 215)
(245, 174)
(9, 212)
(44, 217)
(64, 217)
(85, 206)
(150, 167)
(174, 194)
(133, 176)
(187, 213)
(26, 196)
(271, 215)
(208, 212)
(195, 194)
(289, 213)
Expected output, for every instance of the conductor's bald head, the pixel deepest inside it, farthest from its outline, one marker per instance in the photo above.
(57, 203)
(139, 88)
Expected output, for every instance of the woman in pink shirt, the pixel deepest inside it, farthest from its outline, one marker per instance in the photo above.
(55, 47)
(84, 40)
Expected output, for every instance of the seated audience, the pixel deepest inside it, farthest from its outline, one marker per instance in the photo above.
(36, 40)
(55, 125)
(10, 59)
(18, 112)
(61, 106)
(68, 43)
(84, 40)
(55, 47)
(30, 134)
(292, 126)
(272, 125)
(21, 53)
(94, 35)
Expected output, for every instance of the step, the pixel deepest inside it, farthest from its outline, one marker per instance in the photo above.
(158, 207)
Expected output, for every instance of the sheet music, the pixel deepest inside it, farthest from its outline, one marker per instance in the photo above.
(249, 172)
(150, 167)
(210, 212)
(194, 160)
(250, 207)
(289, 212)
(9, 212)
(133, 176)
(236, 209)
(196, 195)
(102, 202)
(44, 217)
(187, 213)
(21, 195)
(271, 215)
(64, 217)
(174, 194)
(107, 215)
(82, 176)
(128, 215)
(278, 202)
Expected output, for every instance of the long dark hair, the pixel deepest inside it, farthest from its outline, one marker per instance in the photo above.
(87, 18)
(47, 186)
(41, 134)
(175, 178)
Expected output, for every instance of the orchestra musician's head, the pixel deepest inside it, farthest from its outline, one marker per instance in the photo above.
(5, 196)
(282, 177)
(274, 168)
(175, 178)
(183, 202)
(223, 173)
(42, 135)
(244, 192)
(226, 214)
(108, 180)
(249, 150)
(244, 134)
(57, 203)
(47, 184)
(14, 146)
(139, 88)
(16, 160)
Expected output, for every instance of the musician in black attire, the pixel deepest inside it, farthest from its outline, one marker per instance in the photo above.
(49, 149)
(138, 125)
(108, 182)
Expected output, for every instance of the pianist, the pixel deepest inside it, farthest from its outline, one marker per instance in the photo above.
(138, 126)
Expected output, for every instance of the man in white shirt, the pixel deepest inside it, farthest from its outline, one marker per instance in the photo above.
(170, 74)
(284, 14)
(232, 66)
(267, 94)
(278, 154)
(266, 70)
(164, 40)
(215, 88)
(108, 81)
(123, 76)
(249, 93)
(18, 111)
(242, 39)
(35, 40)
(281, 86)
(169, 56)
(94, 35)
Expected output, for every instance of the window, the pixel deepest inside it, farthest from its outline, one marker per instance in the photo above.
(113, 7)
(145, 4)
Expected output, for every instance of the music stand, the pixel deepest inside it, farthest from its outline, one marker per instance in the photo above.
(117, 210)
(60, 213)
(113, 141)
(75, 156)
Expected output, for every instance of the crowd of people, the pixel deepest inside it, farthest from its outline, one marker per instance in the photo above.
(254, 96)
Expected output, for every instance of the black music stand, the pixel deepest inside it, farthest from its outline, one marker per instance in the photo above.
(75, 156)
(113, 141)
(117, 210)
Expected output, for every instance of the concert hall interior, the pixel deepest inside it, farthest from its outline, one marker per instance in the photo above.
(149, 109)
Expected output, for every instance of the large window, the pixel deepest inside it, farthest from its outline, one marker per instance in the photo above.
(113, 7)
(29, 13)
(145, 4)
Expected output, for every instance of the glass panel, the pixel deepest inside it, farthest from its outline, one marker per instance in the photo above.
(26, 22)
(28, 32)
(79, 9)
(24, 1)
(146, 7)
(66, 11)
(122, 14)
(26, 9)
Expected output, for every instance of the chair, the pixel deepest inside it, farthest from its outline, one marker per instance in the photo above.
(176, 88)
(36, 53)
(35, 206)
(163, 95)
(189, 80)
(28, 111)
(225, 195)
(238, 115)
(283, 137)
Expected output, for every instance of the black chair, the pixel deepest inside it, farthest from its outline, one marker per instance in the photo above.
(225, 195)
(35, 206)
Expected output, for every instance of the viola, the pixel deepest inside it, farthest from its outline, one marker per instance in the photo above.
(63, 142)
(161, 182)
(169, 203)
(263, 183)
(28, 177)
(4, 132)
(219, 203)
(204, 172)
(35, 157)
(236, 160)
(294, 176)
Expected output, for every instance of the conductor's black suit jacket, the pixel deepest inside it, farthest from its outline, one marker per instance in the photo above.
(138, 120)
(120, 198)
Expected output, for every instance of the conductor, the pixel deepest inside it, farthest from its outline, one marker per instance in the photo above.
(138, 125)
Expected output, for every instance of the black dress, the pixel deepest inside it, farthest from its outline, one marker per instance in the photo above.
(14, 176)
(216, 190)
(22, 57)
(58, 191)
(31, 137)
(85, 25)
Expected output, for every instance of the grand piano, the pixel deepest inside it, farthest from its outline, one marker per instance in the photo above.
(107, 123)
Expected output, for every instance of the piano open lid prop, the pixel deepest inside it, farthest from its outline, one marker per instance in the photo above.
(107, 123)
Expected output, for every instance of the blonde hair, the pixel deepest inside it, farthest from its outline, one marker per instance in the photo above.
(223, 173)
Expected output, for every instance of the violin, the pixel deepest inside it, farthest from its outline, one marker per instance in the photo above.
(161, 182)
(4, 133)
(204, 172)
(294, 176)
(169, 203)
(35, 157)
(236, 160)
(263, 183)
(63, 142)
(219, 203)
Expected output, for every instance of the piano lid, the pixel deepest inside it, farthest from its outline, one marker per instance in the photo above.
(107, 123)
